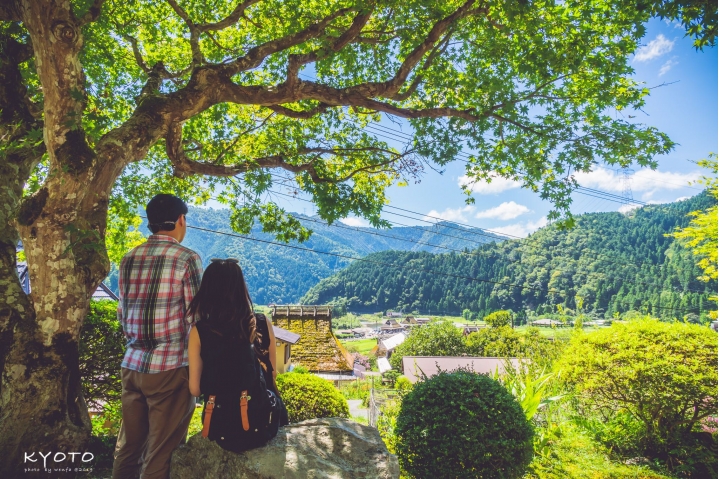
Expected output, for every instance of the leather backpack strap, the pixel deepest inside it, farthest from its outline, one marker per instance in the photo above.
(244, 398)
(208, 415)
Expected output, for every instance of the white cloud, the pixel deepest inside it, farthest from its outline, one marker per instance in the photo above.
(628, 208)
(450, 214)
(682, 198)
(648, 181)
(657, 47)
(355, 222)
(522, 229)
(482, 187)
(667, 66)
(625, 209)
(505, 211)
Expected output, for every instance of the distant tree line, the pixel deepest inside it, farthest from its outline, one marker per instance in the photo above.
(613, 262)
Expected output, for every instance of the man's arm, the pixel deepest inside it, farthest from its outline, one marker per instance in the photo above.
(191, 282)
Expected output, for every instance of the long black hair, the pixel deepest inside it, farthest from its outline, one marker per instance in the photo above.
(223, 301)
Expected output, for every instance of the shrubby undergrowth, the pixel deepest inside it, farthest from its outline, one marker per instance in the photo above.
(650, 385)
(636, 400)
(307, 396)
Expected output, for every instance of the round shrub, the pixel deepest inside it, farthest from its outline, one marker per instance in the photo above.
(462, 424)
(498, 319)
(307, 396)
(662, 374)
(403, 384)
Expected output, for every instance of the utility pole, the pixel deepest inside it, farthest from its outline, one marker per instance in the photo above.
(625, 175)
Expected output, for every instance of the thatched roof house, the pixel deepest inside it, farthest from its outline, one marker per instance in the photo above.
(318, 349)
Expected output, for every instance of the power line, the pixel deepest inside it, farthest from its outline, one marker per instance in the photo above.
(473, 231)
(381, 263)
(483, 253)
(401, 267)
(595, 253)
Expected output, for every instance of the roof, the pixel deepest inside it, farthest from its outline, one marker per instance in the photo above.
(415, 366)
(393, 341)
(301, 311)
(102, 291)
(383, 365)
(317, 349)
(361, 330)
(285, 335)
(336, 377)
(545, 321)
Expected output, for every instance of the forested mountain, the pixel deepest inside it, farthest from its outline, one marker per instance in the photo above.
(614, 262)
(279, 274)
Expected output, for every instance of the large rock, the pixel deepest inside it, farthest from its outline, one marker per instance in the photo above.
(318, 448)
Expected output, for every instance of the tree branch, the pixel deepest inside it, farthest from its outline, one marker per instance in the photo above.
(390, 88)
(301, 115)
(137, 54)
(92, 14)
(439, 49)
(297, 61)
(197, 55)
(157, 69)
(184, 166)
(230, 20)
(255, 56)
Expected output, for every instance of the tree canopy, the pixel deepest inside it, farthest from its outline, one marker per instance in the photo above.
(256, 85)
(701, 236)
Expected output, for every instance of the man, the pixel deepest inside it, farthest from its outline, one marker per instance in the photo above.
(157, 281)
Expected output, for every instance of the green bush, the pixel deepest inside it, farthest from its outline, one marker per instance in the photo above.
(387, 422)
(498, 342)
(307, 396)
(439, 338)
(102, 346)
(390, 376)
(499, 319)
(664, 375)
(462, 424)
(403, 384)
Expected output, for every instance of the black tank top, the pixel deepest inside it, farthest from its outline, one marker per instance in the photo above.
(221, 355)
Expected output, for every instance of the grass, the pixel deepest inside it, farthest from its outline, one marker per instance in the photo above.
(362, 346)
(563, 451)
(359, 389)
(360, 419)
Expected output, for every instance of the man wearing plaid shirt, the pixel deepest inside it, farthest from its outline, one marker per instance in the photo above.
(157, 281)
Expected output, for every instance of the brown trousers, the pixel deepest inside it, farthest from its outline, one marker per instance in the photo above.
(156, 410)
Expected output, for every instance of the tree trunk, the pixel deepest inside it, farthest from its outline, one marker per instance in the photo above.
(62, 227)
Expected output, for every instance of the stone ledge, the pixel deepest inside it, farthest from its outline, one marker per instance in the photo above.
(327, 448)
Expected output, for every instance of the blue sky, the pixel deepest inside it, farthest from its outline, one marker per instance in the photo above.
(685, 107)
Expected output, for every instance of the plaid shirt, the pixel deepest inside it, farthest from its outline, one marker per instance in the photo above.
(157, 281)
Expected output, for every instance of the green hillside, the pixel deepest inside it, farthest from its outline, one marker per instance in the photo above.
(277, 274)
(615, 262)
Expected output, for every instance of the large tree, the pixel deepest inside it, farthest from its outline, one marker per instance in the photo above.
(103, 103)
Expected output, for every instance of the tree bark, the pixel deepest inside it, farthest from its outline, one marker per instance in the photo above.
(62, 227)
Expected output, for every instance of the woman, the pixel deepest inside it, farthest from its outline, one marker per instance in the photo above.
(231, 354)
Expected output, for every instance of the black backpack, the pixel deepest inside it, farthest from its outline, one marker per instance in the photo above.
(244, 422)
